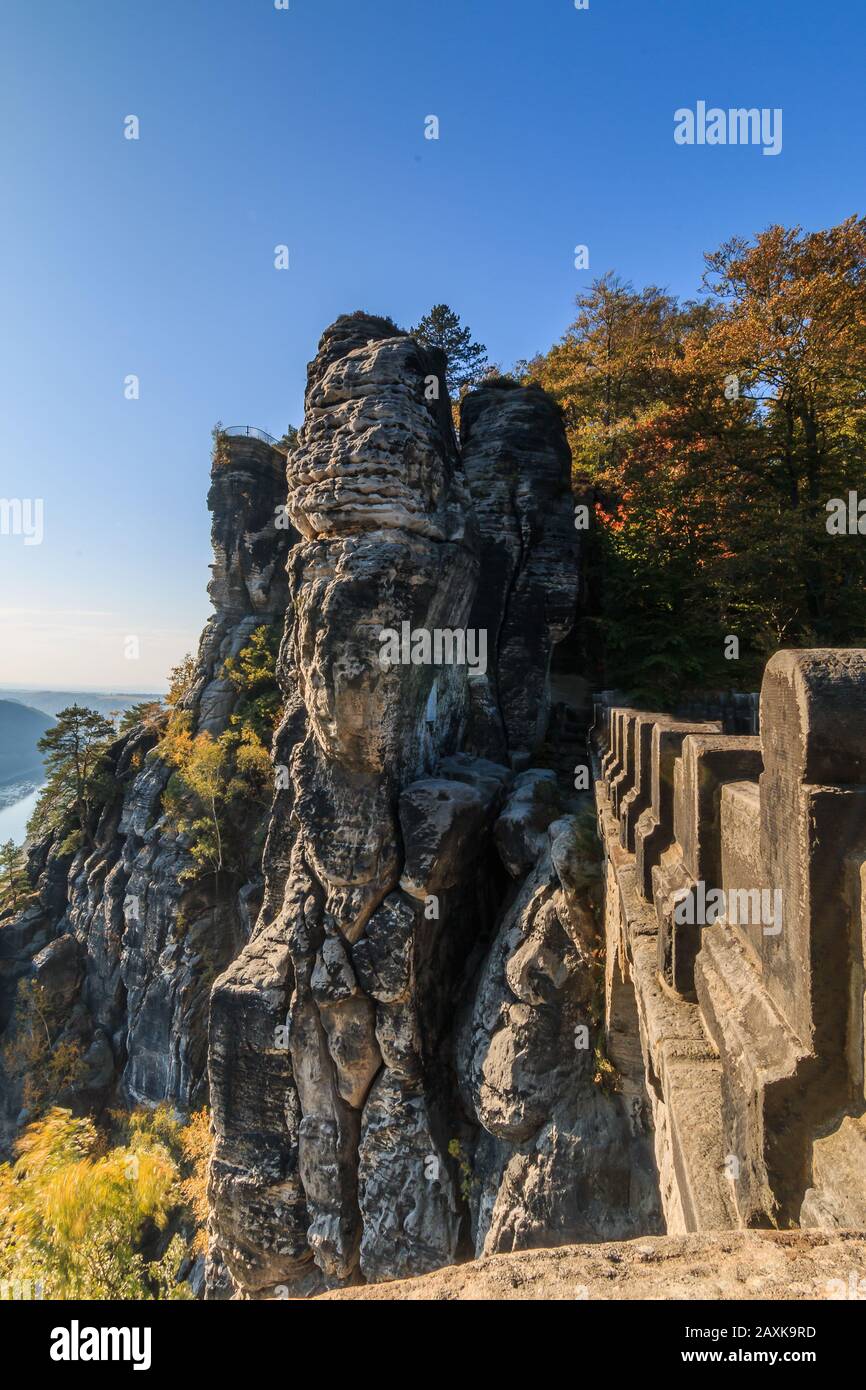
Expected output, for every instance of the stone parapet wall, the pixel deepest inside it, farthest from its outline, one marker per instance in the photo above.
(734, 917)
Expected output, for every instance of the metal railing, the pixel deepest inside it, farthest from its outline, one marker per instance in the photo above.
(251, 432)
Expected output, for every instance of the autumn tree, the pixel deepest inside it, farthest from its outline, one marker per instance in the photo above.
(611, 366)
(181, 679)
(73, 1216)
(714, 434)
(189, 1143)
(39, 1055)
(196, 1142)
(793, 335)
(615, 373)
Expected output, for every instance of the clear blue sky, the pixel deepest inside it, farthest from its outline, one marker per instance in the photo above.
(306, 127)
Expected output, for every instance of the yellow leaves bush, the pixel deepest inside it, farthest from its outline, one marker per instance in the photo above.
(196, 1143)
(221, 786)
(73, 1215)
(79, 1214)
(180, 680)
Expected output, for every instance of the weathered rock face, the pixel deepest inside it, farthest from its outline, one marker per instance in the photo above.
(518, 466)
(354, 1137)
(248, 587)
(342, 950)
(557, 1157)
(770, 1266)
(137, 1002)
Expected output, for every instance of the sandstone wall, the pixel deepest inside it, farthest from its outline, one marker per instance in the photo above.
(749, 1014)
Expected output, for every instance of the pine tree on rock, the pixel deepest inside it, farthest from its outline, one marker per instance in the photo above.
(467, 361)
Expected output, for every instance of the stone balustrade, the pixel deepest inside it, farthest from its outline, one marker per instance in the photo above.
(735, 916)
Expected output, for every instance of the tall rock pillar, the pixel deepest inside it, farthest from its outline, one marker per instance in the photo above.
(322, 1102)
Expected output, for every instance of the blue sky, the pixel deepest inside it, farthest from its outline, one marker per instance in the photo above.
(305, 127)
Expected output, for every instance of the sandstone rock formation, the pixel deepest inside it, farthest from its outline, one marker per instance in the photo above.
(557, 1157)
(343, 949)
(355, 1136)
(518, 466)
(770, 1266)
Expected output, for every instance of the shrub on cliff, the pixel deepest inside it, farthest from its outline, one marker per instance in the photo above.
(221, 451)
(253, 673)
(221, 786)
(148, 713)
(38, 1055)
(180, 680)
(15, 886)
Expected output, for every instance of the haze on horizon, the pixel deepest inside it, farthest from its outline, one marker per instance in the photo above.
(68, 650)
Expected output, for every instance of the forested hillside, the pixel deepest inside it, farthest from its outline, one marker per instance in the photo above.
(20, 730)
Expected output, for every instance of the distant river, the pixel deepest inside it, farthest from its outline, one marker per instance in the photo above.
(14, 818)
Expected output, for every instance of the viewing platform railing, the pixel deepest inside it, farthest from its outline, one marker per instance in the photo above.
(251, 432)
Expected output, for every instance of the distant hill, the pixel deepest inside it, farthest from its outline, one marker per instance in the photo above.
(53, 701)
(21, 728)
